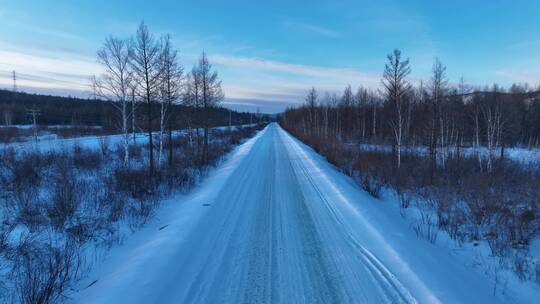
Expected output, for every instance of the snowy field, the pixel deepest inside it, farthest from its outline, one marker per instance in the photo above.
(53, 143)
(24, 133)
(276, 223)
(522, 155)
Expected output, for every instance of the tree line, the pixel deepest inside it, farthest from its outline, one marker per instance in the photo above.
(434, 114)
(91, 112)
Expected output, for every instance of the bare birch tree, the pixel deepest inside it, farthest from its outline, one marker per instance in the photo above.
(145, 62)
(494, 122)
(211, 95)
(311, 103)
(396, 86)
(134, 101)
(476, 139)
(192, 99)
(362, 101)
(345, 106)
(115, 82)
(438, 87)
(171, 90)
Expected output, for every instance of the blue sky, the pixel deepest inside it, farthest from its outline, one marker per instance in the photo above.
(269, 53)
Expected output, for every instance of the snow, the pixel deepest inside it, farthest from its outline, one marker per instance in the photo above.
(521, 155)
(22, 127)
(276, 223)
(52, 142)
(475, 254)
(26, 127)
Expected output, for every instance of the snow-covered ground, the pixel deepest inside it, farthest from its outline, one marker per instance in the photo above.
(277, 224)
(26, 127)
(48, 143)
(25, 133)
(518, 154)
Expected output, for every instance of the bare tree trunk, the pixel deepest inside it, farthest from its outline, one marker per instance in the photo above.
(150, 135)
(477, 138)
(133, 117)
(211, 94)
(115, 83)
(399, 137)
(161, 131)
(442, 142)
(374, 122)
(169, 124)
(146, 65)
(125, 132)
(364, 124)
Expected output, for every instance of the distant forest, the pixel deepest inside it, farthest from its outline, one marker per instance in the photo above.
(56, 110)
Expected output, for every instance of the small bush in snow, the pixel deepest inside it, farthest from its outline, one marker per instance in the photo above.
(43, 270)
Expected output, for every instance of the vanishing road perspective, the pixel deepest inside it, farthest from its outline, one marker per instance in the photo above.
(276, 223)
(261, 152)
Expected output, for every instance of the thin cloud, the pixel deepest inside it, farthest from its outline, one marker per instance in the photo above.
(243, 77)
(295, 69)
(525, 44)
(312, 28)
(251, 105)
(276, 92)
(531, 77)
(39, 71)
(23, 21)
(248, 77)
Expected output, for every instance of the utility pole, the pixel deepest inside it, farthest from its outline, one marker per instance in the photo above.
(14, 81)
(34, 114)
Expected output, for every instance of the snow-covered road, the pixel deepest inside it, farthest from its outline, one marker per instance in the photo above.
(278, 224)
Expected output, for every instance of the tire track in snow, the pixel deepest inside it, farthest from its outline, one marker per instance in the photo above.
(318, 274)
(259, 277)
(268, 281)
(389, 286)
(209, 260)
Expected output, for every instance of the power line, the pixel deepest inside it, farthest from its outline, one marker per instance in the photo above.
(43, 78)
